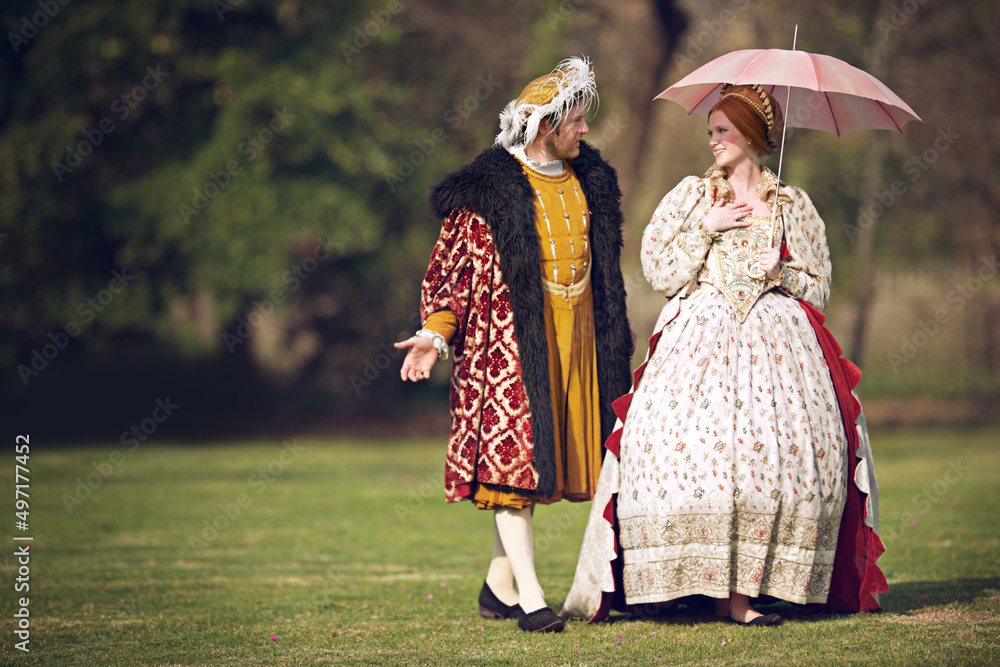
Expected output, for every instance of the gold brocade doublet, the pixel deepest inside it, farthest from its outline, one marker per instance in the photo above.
(563, 224)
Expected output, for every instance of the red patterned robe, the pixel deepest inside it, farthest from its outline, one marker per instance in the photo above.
(485, 269)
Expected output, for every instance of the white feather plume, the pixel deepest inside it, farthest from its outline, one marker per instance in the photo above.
(519, 123)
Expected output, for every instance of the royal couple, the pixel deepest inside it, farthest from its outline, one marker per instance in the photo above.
(735, 462)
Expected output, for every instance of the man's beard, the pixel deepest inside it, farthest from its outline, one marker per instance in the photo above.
(554, 149)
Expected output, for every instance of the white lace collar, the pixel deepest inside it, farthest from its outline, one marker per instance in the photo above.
(552, 168)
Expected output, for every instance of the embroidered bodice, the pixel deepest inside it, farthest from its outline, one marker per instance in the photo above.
(732, 264)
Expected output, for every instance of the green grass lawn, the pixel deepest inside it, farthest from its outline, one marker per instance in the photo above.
(345, 553)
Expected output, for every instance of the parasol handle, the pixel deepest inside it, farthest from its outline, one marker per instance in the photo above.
(781, 155)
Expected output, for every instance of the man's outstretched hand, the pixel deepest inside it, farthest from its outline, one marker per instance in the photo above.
(419, 360)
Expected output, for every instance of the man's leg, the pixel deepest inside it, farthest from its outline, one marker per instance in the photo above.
(500, 577)
(514, 529)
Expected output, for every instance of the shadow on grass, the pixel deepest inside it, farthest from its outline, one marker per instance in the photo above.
(903, 597)
(913, 595)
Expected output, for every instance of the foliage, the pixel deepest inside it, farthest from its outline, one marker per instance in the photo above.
(255, 149)
(257, 170)
(263, 193)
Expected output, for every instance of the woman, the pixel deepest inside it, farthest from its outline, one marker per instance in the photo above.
(737, 458)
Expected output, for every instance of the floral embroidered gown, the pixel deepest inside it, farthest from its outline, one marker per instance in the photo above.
(731, 467)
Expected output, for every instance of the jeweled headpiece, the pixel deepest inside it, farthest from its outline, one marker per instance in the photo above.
(550, 96)
(763, 105)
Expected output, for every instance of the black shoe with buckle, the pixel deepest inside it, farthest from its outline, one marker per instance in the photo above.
(491, 607)
(543, 620)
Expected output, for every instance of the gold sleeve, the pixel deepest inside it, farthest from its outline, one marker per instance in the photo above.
(443, 322)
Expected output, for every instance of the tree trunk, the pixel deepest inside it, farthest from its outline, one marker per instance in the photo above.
(650, 58)
(672, 24)
(863, 238)
(870, 208)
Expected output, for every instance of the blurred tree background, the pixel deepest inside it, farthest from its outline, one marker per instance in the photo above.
(223, 202)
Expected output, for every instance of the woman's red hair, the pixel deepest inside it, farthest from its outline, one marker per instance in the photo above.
(749, 123)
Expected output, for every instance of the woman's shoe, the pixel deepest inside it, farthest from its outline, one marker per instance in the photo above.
(765, 621)
(491, 607)
(543, 620)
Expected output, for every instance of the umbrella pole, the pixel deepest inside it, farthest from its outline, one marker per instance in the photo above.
(781, 155)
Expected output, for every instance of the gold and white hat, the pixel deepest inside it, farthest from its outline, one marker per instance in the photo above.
(550, 96)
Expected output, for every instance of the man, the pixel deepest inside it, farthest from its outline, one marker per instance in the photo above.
(525, 283)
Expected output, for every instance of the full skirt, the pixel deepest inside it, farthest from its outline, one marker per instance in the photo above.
(733, 458)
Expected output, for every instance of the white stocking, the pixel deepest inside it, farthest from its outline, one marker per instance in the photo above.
(514, 529)
(500, 577)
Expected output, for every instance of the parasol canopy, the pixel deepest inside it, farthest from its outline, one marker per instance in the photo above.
(816, 91)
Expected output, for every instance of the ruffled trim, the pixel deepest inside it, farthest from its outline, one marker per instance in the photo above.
(857, 580)
(616, 599)
(718, 187)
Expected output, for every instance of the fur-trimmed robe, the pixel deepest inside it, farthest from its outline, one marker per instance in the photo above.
(485, 269)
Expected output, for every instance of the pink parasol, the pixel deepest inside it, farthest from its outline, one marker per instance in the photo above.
(820, 92)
